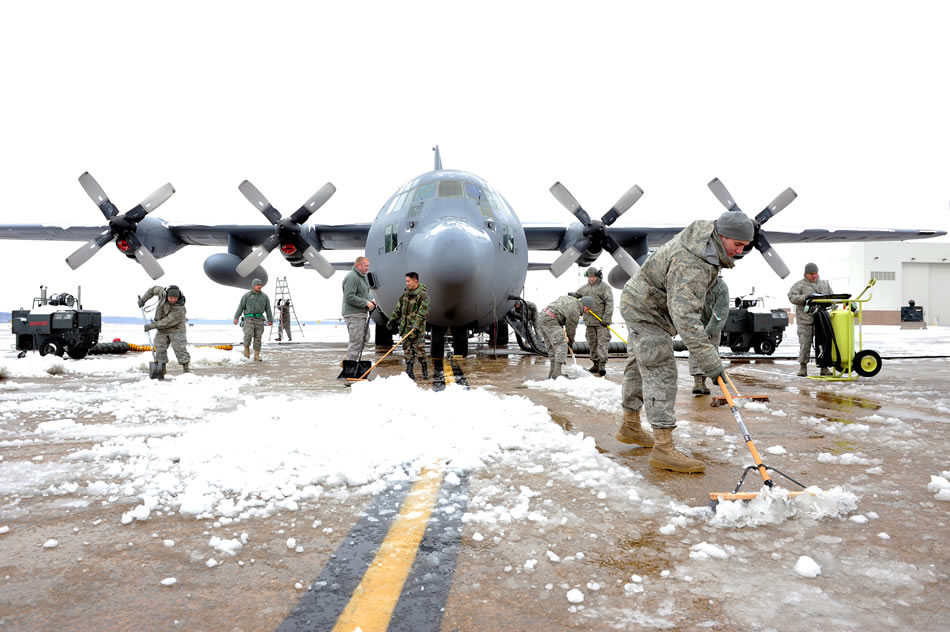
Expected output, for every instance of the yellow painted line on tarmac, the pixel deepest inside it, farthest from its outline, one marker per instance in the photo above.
(371, 607)
(448, 372)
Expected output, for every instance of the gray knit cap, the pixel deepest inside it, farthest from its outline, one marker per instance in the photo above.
(735, 225)
(588, 302)
(256, 282)
(811, 268)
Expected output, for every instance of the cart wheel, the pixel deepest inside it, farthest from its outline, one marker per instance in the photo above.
(765, 347)
(739, 348)
(77, 352)
(867, 363)
(52, 345)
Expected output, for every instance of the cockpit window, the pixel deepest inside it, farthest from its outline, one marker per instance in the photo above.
(472, 191)
(508, 238)
(424, 192)
(391, 238)
(450, 188)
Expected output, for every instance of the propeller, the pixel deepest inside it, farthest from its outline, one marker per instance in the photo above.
(759, 242)
(595, 236)
(121, 227)
(286, 230)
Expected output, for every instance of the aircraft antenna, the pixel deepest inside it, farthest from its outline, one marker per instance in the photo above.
(438, 158)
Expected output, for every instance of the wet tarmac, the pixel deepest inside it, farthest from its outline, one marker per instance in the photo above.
(104, 578)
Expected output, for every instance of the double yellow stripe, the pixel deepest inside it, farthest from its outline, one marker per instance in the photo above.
(371, 607)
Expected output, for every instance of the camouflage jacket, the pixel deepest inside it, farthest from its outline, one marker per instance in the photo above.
(716, 310)
(802, 289)
(603, 302)
(412, 310)
(567, 311)
(528, 311)
(254, 303)
(669, 291)
(170, 318)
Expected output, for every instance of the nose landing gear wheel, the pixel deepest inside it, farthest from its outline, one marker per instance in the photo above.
(867, 363)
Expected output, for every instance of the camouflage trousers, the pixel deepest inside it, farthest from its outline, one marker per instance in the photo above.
(283, 326)
(649, 378)
(253, 329)
(694, 363)
(806, 335)
(553, 336)
(414, 347)
(598, 337)
(178, 343)
(358, 333)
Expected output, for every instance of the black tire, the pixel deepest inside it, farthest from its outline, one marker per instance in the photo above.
(867, 363)
(739, 348)
(78, 352)
(52, 345)
(765, 347)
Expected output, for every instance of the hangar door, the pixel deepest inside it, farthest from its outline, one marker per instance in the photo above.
(926, 283)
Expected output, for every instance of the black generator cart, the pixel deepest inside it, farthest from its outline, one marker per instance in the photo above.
(56, 325)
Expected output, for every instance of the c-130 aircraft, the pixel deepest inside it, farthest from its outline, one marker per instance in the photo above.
(451, 227)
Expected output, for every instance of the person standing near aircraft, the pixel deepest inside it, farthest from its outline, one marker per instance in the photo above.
(715, 313)
(805, 322)
(283, 325)
(564, 312)
(597, 332)
(410, 314)
(664, 297)
(357, 303)
(171, 322)
(254, 306)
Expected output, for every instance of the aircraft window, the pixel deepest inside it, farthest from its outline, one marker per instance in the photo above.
(508, 239)
(415, 210)
(485, 207)
(424, 192)
(391, 241)
(450, 188)
(472, 191)
(398, 204)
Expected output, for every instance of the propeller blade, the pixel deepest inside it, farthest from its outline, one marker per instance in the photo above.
(159, 197)
(771, 257)
(784, 198)
(258, 254)
(318, 262)
(626, 200)
(567, 259)
(148, 261)
(87, 250)
(95, 192)
(719, 190)
(316, 200)
(560, 192)
(256, 198)
(621, 256)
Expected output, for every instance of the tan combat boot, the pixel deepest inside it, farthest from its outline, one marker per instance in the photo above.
(803, 370)
(666, 457)
(631, 432)
(555, 371)
(698, 384)
(826, 370)
(257, 355)
(185, 368)
(247, 351)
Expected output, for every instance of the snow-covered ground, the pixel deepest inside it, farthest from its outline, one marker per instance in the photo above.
(232, 448)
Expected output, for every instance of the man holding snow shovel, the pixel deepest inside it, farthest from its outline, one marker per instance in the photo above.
(171, 321)
(665, 297)
(598, 334)
(564, 312)
(357, 303)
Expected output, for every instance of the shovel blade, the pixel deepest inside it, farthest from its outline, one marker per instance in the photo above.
(353, 369)
(156, 370)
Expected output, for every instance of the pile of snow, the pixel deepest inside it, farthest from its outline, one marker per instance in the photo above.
(773, 506)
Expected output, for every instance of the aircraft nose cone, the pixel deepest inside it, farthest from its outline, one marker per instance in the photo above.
(450, 254)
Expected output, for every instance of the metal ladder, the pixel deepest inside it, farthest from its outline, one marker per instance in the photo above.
(281, 294)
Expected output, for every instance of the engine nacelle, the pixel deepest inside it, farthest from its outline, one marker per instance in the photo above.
(617, 277)
(220, 268)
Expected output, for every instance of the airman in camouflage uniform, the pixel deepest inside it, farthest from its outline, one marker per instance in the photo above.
(804, 322)
(357, 303)
(411, 312)
(171, 322)
(597, 332)
(715, 313)
(254, 306)
(666, 297)
(564, 312)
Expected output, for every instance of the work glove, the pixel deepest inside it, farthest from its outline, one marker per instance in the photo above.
(141, 302)
(393, 326)
(149, 326)
(679, 345)
(716, 374)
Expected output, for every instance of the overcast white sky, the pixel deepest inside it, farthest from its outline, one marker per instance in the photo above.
(845, 102)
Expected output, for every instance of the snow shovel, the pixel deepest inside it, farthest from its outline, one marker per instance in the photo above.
(578, 370)
(721, 401)
(156, 369)
(362, 378)
(357, 367)
(715, 497)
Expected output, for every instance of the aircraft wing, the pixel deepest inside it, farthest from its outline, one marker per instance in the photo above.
(41, 232)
